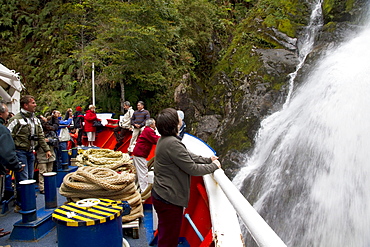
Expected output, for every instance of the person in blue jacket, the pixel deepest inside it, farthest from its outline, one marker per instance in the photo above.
(63, 135)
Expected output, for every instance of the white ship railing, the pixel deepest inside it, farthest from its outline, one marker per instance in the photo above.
(256, 225)
(10, 88)
(226, 202)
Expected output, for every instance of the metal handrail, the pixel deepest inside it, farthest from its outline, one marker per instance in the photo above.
(261, 232)
(10, 74)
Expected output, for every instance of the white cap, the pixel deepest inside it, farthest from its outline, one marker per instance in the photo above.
(181, 114)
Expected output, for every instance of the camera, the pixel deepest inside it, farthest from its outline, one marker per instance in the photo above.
(33, 138)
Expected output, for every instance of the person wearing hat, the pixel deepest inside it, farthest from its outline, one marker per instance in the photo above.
(78, 119)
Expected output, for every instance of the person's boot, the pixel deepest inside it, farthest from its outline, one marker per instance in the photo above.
(17, 208)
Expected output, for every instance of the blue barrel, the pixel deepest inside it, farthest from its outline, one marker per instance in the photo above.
(74, 153)
(99, 225)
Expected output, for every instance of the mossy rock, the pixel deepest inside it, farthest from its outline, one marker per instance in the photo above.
(341, 10)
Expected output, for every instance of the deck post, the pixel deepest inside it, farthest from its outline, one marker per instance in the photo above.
(74, 152)
(65, 159)
(28, 200)
(50, 190)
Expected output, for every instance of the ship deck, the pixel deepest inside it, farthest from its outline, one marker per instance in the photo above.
(8, 219)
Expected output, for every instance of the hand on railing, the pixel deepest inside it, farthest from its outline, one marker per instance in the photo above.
(213, 158)
(217, 163)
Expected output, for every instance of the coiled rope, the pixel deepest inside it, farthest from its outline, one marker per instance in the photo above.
(115, 160)
(98, 181)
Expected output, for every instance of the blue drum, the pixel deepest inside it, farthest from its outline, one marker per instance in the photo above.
(98, 222)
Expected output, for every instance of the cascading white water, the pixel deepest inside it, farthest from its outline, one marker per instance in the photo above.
(309, 174)
(306, 43)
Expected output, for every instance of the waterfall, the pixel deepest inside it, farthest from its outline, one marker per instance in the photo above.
(306, 43)
(308, 175)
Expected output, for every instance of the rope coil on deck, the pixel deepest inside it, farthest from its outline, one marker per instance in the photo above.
(115, 160)
(96, 182)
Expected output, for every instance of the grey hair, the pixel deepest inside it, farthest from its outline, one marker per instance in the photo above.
(149, 121)
(2, 106)
(127, 103)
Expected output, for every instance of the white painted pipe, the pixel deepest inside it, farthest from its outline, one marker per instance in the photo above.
(11, 74)
(93, 84)
(4, 94)
(256, 225)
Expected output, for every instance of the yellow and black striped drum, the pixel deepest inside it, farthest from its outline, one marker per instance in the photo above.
(90, 222)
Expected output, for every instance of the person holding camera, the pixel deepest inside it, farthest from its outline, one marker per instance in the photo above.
(44, 164)
(28, 135)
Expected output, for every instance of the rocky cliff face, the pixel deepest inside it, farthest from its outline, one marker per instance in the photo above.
(250, 80)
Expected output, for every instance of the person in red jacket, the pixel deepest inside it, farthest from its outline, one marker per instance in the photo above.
(142, 149)
(90, 130)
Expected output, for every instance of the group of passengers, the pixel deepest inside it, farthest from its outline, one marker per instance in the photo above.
(47, 136)
(142, 128)
(173, 164)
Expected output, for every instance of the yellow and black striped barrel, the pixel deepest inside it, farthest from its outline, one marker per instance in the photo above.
(96, 226)
(73, 215)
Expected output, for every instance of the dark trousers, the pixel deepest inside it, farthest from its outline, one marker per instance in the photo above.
(120, 134)
(169, 223)
(28, 159)
(79, 137)
(58, 153)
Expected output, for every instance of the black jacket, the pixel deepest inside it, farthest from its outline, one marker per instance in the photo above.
(8, 157)
(78, 119)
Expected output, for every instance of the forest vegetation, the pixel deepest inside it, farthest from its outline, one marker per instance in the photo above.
(203, 56)
(140, 49)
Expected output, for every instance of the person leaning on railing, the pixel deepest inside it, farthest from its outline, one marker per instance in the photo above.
(173, 167)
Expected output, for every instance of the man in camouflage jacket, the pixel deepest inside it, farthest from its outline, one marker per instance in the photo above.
(28, 135)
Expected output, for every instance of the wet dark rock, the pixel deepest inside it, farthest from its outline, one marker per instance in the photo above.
(227, 111)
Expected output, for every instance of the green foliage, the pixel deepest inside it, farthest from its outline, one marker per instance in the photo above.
(335, 10)
(328, 6)
(240, 60)
(63, 99)
(349, 5)
(108, 99)
(285, 15)
(236, 138)
(32, 45)
(146, 46)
